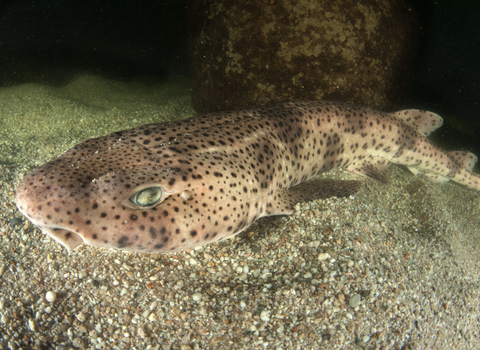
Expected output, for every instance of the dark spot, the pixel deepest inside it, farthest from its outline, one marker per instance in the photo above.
(193, 233)
(122, 241)
(153, 233)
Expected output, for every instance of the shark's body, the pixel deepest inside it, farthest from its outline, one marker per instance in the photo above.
(174, 186)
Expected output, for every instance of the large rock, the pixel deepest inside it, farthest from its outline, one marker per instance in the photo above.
(249, 53)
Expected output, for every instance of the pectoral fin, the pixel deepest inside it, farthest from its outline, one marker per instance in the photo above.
(312, 190)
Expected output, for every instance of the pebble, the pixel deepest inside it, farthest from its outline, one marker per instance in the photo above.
(323, 256)
(265, 315)
(51, 296)
(141, 333)
(81, 317)
(354, 300)
(197, 297)
(15, 221)
(78, 343)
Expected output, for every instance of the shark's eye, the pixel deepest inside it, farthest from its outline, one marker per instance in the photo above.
(147, 197)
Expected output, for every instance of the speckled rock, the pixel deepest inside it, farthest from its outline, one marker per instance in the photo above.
(252, 53)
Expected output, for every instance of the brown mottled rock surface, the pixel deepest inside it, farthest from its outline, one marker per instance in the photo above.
(250, 53)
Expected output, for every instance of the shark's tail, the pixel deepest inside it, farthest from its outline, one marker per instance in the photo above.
(439, 166)
(417, 153)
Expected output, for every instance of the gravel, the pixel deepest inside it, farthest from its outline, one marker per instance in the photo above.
(393, 267)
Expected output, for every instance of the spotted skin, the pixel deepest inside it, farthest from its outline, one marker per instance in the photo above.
(220, 172)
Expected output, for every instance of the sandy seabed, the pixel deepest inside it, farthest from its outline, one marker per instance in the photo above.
(393, 267)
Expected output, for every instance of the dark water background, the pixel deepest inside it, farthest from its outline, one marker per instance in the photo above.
(51, 40)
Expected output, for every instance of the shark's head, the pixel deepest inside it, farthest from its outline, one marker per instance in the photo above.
(113, 191)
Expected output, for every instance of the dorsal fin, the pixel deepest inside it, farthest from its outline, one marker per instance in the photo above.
(424, 122)
(466, 160)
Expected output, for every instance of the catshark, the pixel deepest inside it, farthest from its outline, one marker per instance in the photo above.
(179, 185)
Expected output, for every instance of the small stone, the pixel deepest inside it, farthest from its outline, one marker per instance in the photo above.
(323, 256)
(197, 297)
(141, 332)
(78, 343)
(153, 305)
(265, 315)
(31, 324)
(51, 296)
(354, 300)
(81, 317)
(14, 221)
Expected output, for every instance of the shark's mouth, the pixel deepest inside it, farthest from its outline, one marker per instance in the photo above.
(69, 239)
